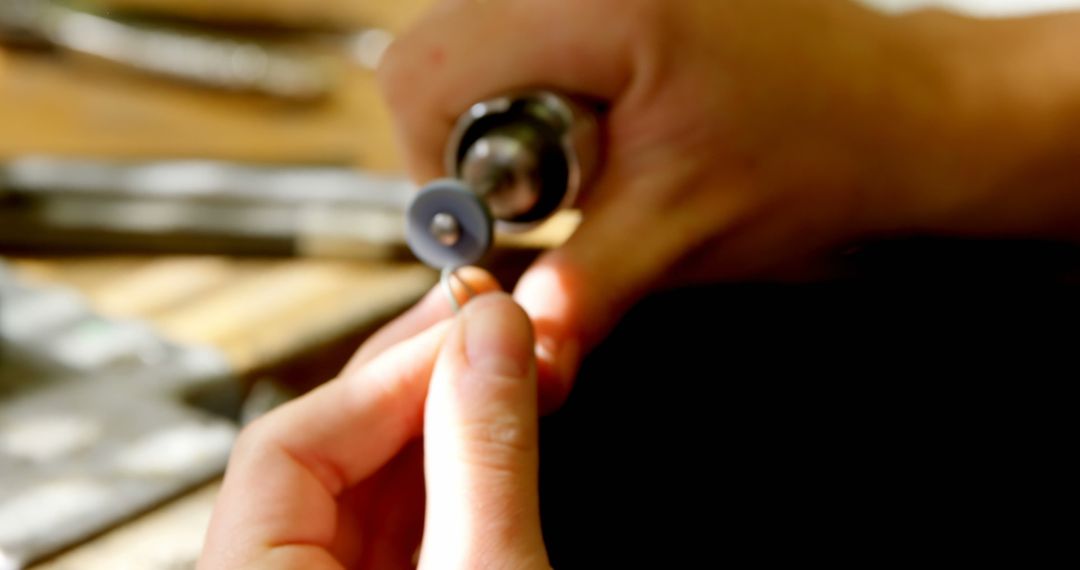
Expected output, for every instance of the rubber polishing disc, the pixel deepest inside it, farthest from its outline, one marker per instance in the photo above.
(454, 198)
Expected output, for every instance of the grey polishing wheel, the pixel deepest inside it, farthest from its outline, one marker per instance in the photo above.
(454, 198)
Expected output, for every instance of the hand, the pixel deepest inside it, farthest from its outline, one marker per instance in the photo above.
(747, 138)
(336, 479)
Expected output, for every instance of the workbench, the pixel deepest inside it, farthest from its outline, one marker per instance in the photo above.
(295, 320)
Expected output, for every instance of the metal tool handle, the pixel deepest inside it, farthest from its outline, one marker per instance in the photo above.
(516, 161)
(526, 155)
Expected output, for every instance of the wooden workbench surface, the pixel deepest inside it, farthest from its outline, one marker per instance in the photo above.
(252, 310)
(258, 312)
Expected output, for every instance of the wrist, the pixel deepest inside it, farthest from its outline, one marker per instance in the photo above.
(998, 145)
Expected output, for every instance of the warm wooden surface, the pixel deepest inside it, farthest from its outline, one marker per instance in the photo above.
(167, 539)
(261, 314)
(65, 105)
(257, 312)
(252, 310)
(57, 105)
(391, 14)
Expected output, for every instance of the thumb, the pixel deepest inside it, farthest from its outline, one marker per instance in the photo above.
(481, 444)
(576, 294)
(640, 222)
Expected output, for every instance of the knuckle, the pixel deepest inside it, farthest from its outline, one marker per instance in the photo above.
(499, 443)
(390, 75)
(253, 438)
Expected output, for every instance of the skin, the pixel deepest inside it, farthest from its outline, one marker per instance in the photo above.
(338, 478)
(747, 138)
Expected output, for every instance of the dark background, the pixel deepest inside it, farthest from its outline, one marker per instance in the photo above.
(920, 411)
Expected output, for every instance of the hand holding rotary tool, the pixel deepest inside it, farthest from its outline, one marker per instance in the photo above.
(516, 161)
(743, 140)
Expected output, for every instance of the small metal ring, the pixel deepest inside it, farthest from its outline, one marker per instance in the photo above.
(449, 274)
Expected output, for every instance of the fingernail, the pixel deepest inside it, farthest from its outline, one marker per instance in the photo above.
(498, 336)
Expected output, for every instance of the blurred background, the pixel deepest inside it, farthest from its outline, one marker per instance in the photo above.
(201, 217)
(122, 78)
(200, 211)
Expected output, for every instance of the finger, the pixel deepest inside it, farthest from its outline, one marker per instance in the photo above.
(470, 51)
(630, 238)
(481, 443)
(434, 307)
(289, 467)
(395, 518)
